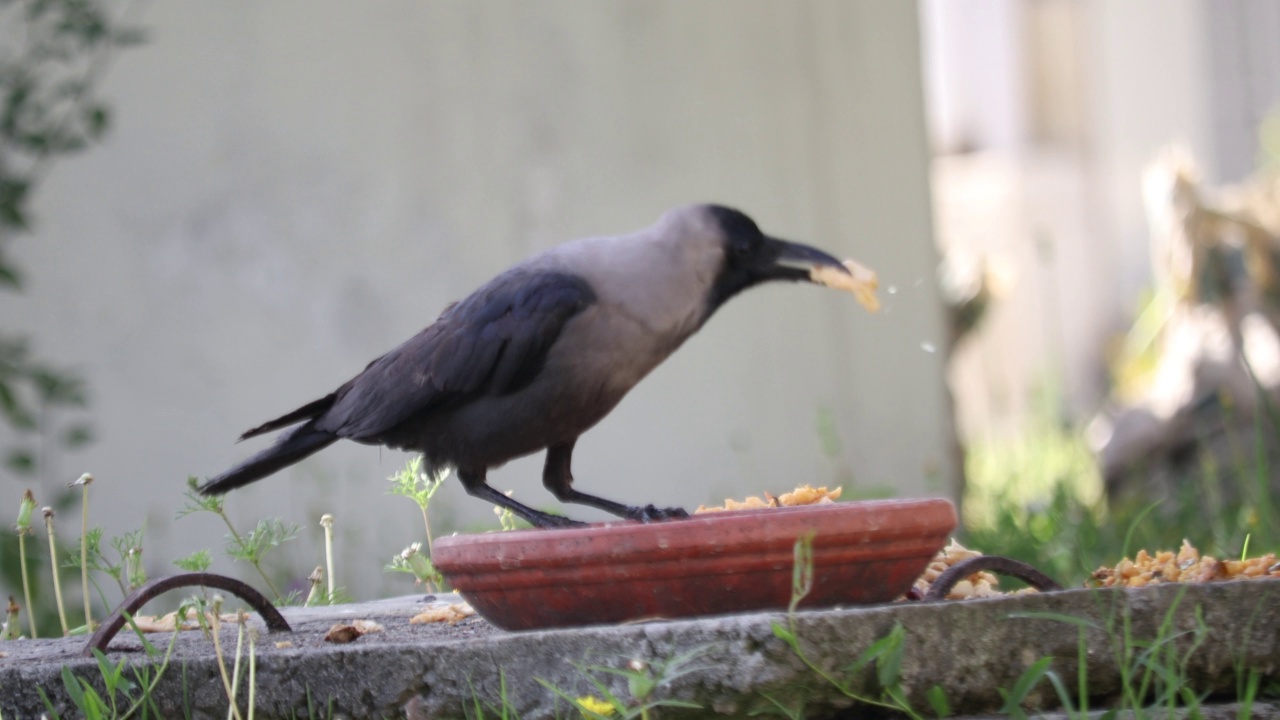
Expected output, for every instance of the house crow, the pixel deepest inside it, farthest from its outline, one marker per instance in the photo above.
(540, 354)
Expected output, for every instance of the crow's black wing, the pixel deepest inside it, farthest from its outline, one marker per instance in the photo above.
(492, 343)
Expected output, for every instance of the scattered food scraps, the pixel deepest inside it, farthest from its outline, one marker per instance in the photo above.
(350, 632)
(1187, 565)
(342, 633)
(451, 614)
(803, 495)
(861, 281)
(284, 644)
(165, 623)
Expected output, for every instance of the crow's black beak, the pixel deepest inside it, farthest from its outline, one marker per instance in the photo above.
(793, 261)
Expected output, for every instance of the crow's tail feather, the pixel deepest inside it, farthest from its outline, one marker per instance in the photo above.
(289, 449)
(306, 412)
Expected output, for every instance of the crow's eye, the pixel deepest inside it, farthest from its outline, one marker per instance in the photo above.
(742, 248)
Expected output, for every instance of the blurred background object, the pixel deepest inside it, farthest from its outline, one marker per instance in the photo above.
(1111, 159)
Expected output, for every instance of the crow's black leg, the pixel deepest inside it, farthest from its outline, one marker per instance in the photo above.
(558, 478)
(475, 486)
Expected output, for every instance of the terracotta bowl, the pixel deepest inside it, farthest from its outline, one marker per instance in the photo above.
(727, 562)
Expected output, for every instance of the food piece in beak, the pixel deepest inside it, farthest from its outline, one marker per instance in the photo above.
(860, 280)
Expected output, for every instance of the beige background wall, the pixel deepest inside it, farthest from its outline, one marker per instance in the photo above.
(292, 188)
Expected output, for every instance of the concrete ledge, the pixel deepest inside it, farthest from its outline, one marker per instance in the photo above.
(971, 649)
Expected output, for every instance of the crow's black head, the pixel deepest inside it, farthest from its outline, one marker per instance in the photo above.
(751, 257)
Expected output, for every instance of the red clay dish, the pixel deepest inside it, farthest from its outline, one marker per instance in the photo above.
(711, 564)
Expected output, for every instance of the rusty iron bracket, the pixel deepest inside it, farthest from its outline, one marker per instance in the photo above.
(148, 592)
(990, 563)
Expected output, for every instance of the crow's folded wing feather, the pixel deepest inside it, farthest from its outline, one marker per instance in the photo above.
(492, 343)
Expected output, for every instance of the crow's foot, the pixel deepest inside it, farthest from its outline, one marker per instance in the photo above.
(547, 521)
(649, 513)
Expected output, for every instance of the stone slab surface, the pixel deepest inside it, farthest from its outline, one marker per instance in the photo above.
(971, 649)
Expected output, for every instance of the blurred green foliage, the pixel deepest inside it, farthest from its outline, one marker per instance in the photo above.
(53, 53)
(1038, 497)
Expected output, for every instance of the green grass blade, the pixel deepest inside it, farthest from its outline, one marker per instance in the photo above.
(48, 704)
(1025, 684)
(937, 698)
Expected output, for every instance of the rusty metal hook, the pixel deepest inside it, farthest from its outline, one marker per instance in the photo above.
(991, 563)
(145, 593)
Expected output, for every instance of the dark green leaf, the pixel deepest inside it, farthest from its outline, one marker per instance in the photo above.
(11, 407)
(873, 653)
(48, 704)
(1056, 617)
(69, 143)
(110, 673)
(889, 664)
(95, 707)
(147, 647)
(36, 142)
(72, 685)
(1064, 695)
(21, 461)
(783, 633)
(77, 435)
(14, 190)
(58, 387)
(12, 216)
(675, 704)
(96, 120)
(36, 9)
(10, 277)
(68, 88)
(198, 561)
(128, 36)
(937, 698)
(1025, 684)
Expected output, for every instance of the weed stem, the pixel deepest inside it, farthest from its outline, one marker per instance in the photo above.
(26, 583)
(257, 565)
(83, 482)
(326, 521)
(53, 565)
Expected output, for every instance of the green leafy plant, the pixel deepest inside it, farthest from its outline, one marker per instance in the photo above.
(885, 654)
(23, 528)
(252, 547)
(643, 680)
(124, 569)
(198, 561)
(1038, 497)
(125, 694)
(412, 560)
(419, 486)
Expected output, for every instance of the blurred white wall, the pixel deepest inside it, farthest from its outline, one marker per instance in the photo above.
(1043, 115)
(292, 188)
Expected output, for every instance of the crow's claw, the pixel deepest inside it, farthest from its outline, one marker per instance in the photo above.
(649, 513)
(548, 521)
